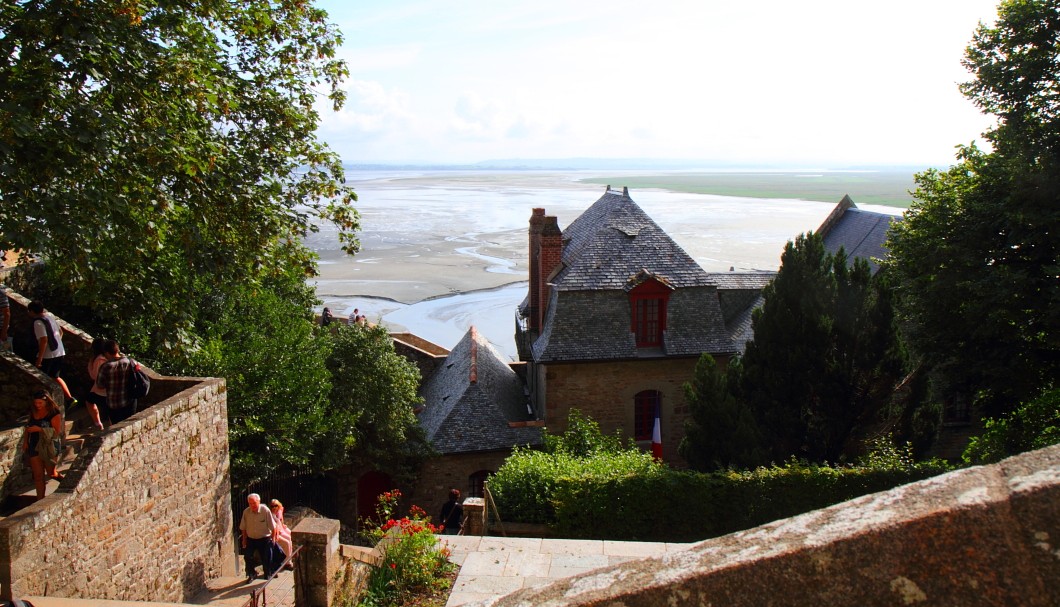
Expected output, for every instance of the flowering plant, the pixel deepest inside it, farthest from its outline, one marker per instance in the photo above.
(412, 560)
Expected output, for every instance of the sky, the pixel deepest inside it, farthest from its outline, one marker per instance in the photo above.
(810, 83)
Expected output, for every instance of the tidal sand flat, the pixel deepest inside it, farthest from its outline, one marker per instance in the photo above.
(441, 251)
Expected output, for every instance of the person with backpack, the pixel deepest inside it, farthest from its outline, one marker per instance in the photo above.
(113, 377)
(50, 350)
(40, 443)
(452, 514)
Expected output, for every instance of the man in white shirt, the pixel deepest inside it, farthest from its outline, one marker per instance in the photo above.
(255, 531)
(50, 350)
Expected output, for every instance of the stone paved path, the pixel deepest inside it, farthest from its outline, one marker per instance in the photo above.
(232, 592)
(496, 566)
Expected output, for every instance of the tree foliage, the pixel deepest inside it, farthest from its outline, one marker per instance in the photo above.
(825, 358)
(1033, 425)
(818, 379)
(373, 398)
(153, 151)
(721, 431)
(274, 366)
(583, 438)
(976, 260)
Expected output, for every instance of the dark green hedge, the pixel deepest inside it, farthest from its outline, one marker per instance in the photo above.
(683, 506)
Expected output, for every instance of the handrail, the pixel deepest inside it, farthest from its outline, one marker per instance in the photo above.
(257, 596)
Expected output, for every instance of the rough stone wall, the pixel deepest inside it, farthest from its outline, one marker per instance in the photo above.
(144, 513)
(981, 536)
(16, 475)
(440, 474)
(605, 392)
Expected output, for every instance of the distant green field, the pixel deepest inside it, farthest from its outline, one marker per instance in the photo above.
(889, 188)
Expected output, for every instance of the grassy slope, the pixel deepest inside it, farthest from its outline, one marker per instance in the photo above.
(883, 187)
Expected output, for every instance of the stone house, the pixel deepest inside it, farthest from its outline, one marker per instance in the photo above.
(475, 411)
(616, 317)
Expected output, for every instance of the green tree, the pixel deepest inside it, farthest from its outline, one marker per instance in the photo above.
(821, 370)
(277, 380)
(373, 399)
(157, 152)
(975, 261)
(721, 431)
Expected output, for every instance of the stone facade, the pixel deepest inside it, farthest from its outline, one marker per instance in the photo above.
(440, 474)
(605, 392)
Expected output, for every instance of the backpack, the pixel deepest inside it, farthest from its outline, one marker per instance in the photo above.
(53, 343)
(138, 384)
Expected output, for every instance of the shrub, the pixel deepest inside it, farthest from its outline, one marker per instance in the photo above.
(1033, 425)
(412, 560)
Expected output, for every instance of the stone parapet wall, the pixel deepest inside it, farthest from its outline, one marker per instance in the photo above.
(19, 380)
(981, 536)
(14, 472)
(422, 353)
(144, 513)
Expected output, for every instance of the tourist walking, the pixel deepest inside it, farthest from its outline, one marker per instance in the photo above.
(50, 350)
(41, 442)
(96, 401)
(256, 528)
(113, 379)
(282, 534)
(452, 514)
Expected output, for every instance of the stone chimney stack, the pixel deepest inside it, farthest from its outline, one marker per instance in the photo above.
(551, 254)
(537, 219)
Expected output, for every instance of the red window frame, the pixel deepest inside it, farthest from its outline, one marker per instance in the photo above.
(647, 303)
(645, 403)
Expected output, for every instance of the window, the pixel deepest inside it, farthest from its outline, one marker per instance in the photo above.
(476, 482)
(644, 406)
(646, 322)
(648, 304)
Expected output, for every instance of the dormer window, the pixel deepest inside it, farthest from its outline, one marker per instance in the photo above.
(647, 302)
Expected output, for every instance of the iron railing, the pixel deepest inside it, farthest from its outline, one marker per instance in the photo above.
(259, 597)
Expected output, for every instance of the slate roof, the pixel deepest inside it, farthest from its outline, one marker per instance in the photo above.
(608, 250)
(614, 240)
(860, 233)
(471, 398)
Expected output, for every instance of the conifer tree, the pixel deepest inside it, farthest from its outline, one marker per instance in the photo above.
(821, 369)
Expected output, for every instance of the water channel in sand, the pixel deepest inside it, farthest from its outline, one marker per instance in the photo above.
(441, 251)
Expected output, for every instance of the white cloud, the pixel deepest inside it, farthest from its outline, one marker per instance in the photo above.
(824, 79)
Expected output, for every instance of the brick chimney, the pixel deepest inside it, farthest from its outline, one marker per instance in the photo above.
(537, 219)
(546, 250)
(550, 255)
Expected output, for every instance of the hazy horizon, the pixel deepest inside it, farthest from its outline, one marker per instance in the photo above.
(815, 84)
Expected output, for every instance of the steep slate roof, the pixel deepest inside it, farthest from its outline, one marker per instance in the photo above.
(608, 250)
(613, 240)
(470, 400)
(861, 233)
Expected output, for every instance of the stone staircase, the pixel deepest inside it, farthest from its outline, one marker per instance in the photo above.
(78, 425)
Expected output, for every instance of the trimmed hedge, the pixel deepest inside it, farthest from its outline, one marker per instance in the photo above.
(605, 499)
